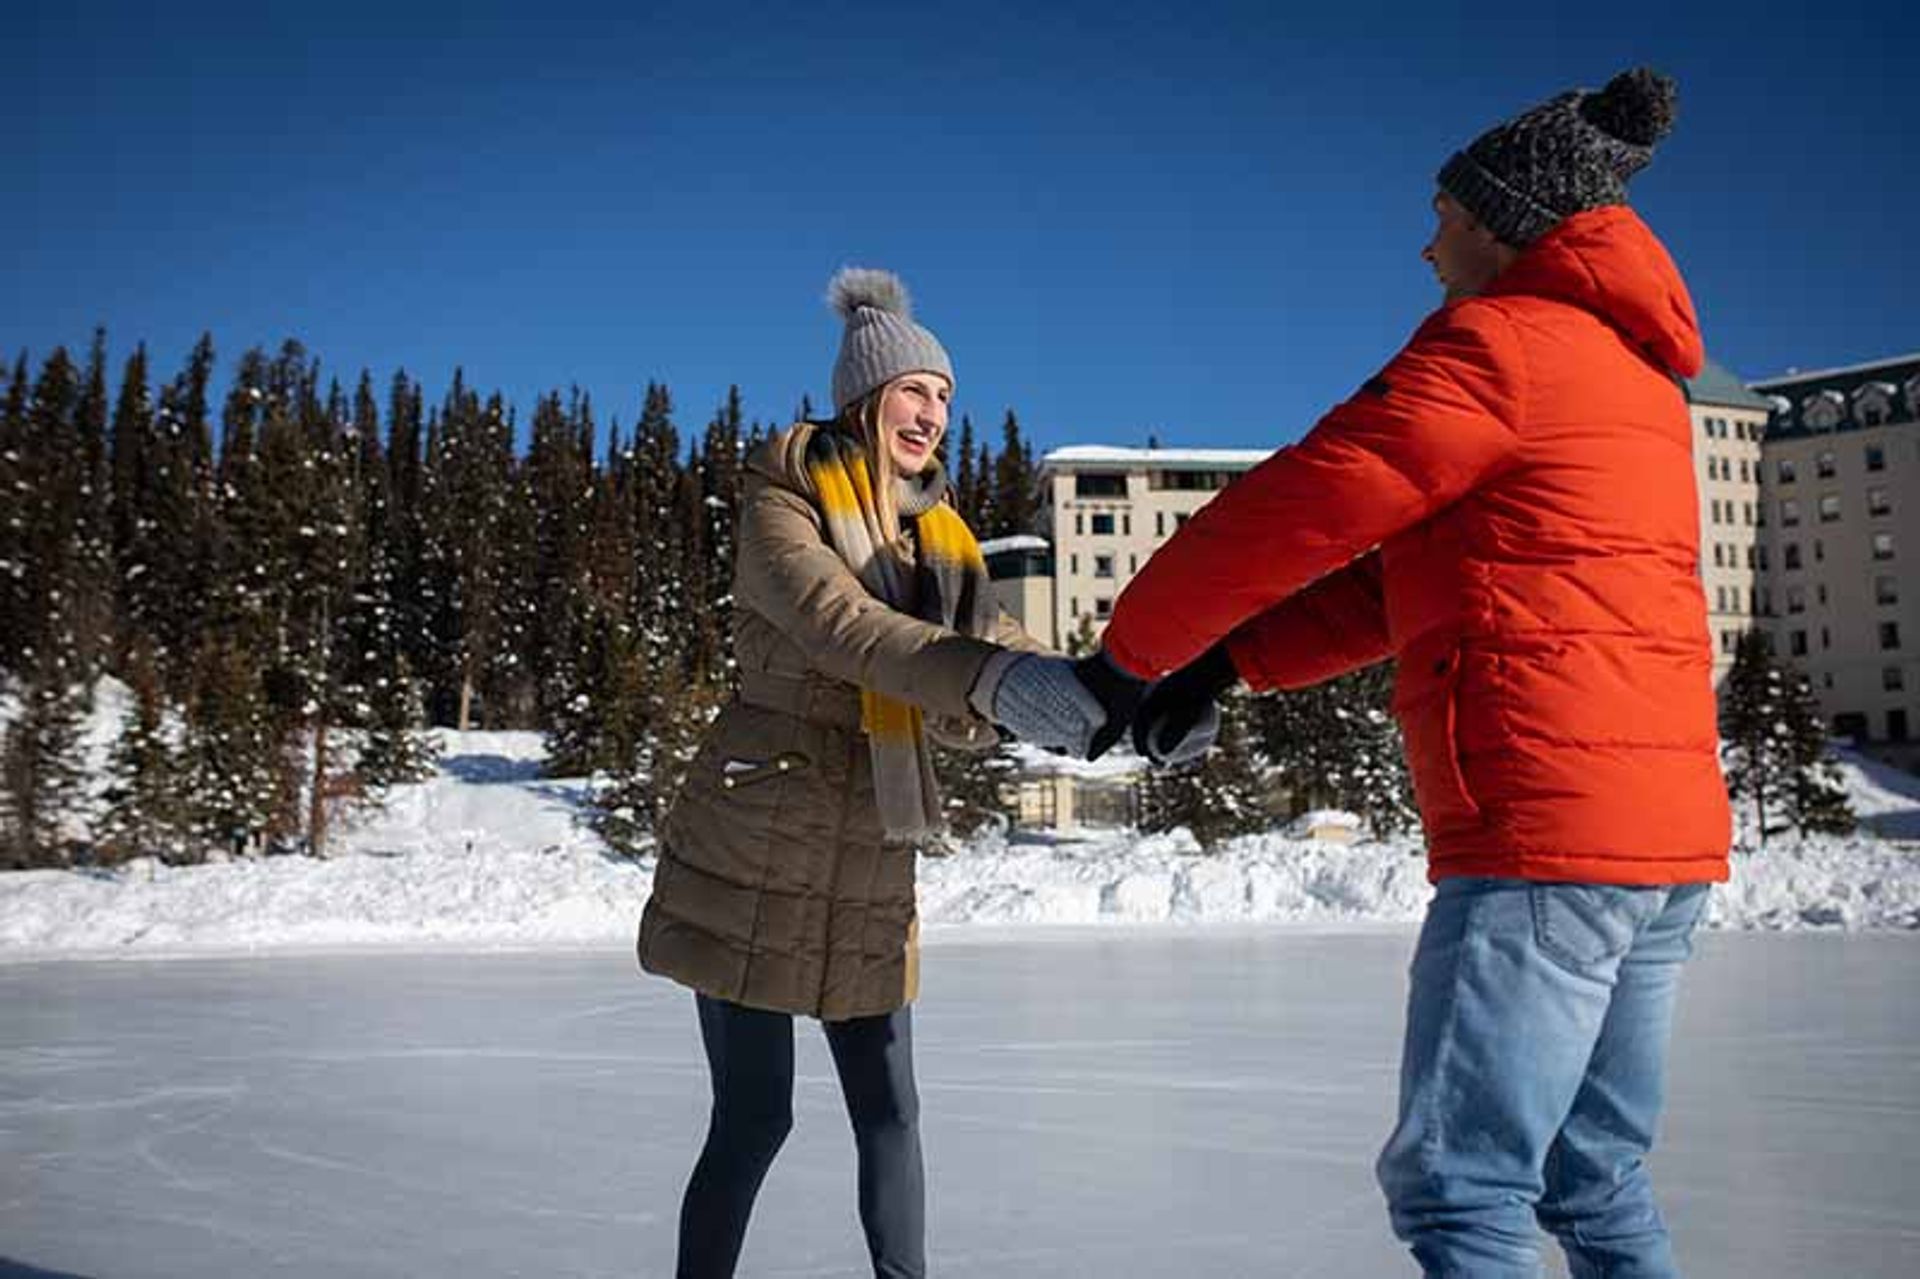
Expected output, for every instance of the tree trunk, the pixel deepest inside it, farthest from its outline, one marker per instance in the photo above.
(317, 805)
(466, 701)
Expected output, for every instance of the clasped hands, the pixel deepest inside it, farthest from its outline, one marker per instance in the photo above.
(1081, 708)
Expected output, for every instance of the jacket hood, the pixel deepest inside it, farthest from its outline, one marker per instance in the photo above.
(1607, 261)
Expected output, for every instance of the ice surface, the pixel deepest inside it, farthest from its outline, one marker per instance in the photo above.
(1115, 1103)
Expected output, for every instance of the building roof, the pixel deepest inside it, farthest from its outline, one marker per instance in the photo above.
(1091, 456)
(1897, 379)
(1716, 386)
(1794, 376)
(1018, 542)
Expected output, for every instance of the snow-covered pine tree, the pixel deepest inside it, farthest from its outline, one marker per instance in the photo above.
(1336, 745)
(1217, 797)
(1774, 745)
(1816, 797)
(144, 815)
(962, 483)
(90, 610)
(16, 490)
(974, 786)
(378, 695)
(42, 769)
(231, 753)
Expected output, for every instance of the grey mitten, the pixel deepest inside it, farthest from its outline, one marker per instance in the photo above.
(1039, 699)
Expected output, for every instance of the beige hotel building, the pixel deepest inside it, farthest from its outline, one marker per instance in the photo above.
(1809, 496)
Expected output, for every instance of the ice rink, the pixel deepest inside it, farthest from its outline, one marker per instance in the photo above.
(1096, 1103)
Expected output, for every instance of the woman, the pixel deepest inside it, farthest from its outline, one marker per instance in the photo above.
(785, 883)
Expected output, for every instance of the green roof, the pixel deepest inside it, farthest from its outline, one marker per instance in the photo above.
(1716, 386)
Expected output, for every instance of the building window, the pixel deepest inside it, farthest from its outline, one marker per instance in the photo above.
(1820, 594)
(1716, 510)
(1766, 601)
(1719, 556)
(1790, 513)
(1826, 639)
(1103, 525)
(1073, 563)
(1763, 556)
(1886, 590)
(1719, 599)
(1826, 680)
(1791, 556)
(1751, 556)
(1159, 523)
(1103, 566)
(1819, 551)
(1746, 475)
(1796, 643)
(1883, 546)
(1893, 679)
(1897, 724)
(1179, 520)
(1073, 606)
(1079, 525)
(1878, 503)
(1876, 458)
(1102, 608)
(1726, 641)
(1096, 484)
(1829, 507)
(1823, 464)
(1746, 513)
(1126, 523)
(1786, 470)
(1889, 636)
(1796, 599)
(1133, 563)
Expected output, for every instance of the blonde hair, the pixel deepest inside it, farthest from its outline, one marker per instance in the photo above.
(861, 420)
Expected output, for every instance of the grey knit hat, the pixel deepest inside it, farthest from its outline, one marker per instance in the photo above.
(882, 342)
(1569, 153)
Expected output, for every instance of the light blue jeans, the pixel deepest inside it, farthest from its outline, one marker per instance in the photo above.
(1533, 1075)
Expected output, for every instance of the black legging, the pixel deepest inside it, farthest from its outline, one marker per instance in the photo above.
(750, 1056)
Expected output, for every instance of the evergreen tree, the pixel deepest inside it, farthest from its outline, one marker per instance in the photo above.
(231, 752)
(42, 768)
(960, 472)
(974, 788)
(1336, 745)
(16, 488)
(1016, 492)
(1217, 797)
(144, 815)
(90, 609)
(1774, 745)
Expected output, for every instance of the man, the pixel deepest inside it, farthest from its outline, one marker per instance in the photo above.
(1507, 508)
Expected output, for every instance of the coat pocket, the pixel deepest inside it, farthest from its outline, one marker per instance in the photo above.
(1426, 703)
(738, 773)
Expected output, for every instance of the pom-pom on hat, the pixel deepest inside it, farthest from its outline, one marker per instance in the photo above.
(1572, 152)
(881, 342)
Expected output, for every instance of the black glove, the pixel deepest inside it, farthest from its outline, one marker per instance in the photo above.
(1177, 704)
(1118, 692)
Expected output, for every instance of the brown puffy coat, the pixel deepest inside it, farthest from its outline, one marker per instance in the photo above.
(774, 887)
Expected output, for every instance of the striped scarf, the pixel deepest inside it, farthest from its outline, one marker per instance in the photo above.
(947, 584)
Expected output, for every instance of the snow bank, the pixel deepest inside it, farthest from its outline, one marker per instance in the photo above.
(487, 853)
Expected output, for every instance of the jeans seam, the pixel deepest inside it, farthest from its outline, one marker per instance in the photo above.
(1432, 1142)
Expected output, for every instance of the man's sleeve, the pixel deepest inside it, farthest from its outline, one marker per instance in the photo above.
(1338, 624)
(1435, 423)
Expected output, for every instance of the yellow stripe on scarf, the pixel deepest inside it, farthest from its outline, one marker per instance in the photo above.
(888, 719)
(835, 489)
(945, 536)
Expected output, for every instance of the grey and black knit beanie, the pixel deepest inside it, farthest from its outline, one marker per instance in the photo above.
(882, 342)
(1569, 153)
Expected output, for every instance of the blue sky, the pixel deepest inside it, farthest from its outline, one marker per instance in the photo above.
(1198, 220)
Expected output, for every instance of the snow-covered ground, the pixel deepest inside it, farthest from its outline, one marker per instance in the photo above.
(488, 853)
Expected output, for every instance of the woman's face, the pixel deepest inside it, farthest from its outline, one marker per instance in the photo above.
(913, 417)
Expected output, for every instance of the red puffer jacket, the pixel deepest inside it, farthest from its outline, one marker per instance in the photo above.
(1509, 509)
